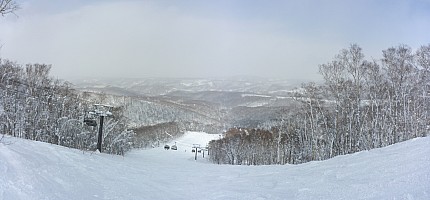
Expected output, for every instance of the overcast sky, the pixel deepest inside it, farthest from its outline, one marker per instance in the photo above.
(217, 38)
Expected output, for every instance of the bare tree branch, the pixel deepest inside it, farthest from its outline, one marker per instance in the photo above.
(8, 7)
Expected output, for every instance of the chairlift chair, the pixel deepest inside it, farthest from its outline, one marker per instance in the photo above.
(90, 122)
(89, 119)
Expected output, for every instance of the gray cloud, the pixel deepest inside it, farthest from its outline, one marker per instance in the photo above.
(146, 39)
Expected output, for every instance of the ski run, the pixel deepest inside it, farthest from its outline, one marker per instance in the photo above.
(36, 170)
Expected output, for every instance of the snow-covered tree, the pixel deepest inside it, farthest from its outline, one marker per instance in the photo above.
(361, 105)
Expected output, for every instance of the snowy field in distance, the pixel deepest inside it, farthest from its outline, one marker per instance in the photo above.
(35, 170)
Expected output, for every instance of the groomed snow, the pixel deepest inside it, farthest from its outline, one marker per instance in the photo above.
(35, 170)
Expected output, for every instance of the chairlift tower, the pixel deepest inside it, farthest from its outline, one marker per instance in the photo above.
(101, 111)
(196, 147)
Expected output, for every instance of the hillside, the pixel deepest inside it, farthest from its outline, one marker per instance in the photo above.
(214, 103)
(35, 170)
(164, 86)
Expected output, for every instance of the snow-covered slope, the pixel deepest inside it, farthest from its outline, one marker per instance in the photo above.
(34, 170)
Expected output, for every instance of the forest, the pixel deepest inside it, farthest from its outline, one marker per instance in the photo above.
(362, 104)
(35, 106)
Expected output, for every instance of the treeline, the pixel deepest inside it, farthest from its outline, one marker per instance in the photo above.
(159, 134)
(361, 105)
(156, 135)
(245, 147)
(35, 106)
(150, 111)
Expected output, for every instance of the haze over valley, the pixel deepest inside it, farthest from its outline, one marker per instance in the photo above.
(214, 99)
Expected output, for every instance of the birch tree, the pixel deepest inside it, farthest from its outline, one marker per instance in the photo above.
(398, 63)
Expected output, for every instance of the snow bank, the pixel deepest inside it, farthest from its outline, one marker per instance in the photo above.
(34, 170)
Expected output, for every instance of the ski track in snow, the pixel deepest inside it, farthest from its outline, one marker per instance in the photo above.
(35, 170)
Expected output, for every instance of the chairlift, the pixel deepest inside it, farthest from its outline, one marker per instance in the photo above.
(103, 110)
(90, 122)
(89, 119)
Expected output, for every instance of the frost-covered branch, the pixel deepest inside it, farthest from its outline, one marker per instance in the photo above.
(8, 7)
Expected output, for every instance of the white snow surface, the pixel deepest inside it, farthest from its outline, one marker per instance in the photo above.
(35, 170)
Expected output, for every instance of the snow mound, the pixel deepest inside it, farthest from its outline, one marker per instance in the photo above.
(35, 170)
